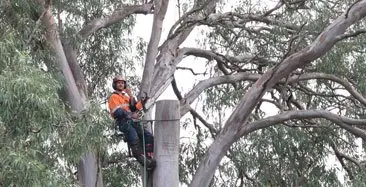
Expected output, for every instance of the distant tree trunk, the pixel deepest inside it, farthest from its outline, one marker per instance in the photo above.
(89, 174)
(166, 145)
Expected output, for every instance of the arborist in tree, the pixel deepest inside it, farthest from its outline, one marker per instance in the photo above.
(124, 109)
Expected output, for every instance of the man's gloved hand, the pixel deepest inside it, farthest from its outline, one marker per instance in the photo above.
(129, 92)
(144, 100)
(134, 115)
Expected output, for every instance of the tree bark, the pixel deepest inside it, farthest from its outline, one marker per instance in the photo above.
(166, 143)
(89, 174)
(161, 7)
(73, 97)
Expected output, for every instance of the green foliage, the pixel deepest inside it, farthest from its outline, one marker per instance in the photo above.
(194, 147)
(36, 128)
(43, 141)
(86, 132)
(124, 174)
(222, 97)
(29, 95)
(24, 168)
(29, 110)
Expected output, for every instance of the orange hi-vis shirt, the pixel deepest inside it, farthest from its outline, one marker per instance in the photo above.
(121, 100)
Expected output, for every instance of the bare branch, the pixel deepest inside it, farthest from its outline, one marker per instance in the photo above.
(237, 20)
(194, 113)
(210, 55)
(176, 90)
(340, 157)
(347, 85)
(350, 35)
(152, 48)
(210, 127)
(202, 85)
(278, 6)
(343, 122)
(191, 70)
(115, 17)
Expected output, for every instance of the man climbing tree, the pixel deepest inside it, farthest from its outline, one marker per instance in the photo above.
(124, 109)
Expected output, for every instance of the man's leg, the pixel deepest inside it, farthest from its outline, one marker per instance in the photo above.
(147, 137)
(149, 143)
(135, 144)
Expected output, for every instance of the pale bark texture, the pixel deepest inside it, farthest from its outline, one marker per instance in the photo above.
(89, 173)
(73, 96)
(115, 17)
(169, 56)
(324, 42)
(166, 143)
(88, 169)
(161, 7)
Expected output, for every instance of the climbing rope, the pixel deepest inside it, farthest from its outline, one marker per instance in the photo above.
(144, 150)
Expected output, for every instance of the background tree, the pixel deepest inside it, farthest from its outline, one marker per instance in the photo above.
(282, 98)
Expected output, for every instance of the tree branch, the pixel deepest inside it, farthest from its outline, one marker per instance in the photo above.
(350, 35)
(168, 58)
(194, 113)
(210, 127)
(237, 20)
(343, 122)
(191, 70)
(152, 48)
(340, 157)
(210, 55)
(347, 85)
(115, 17)
(204, 84)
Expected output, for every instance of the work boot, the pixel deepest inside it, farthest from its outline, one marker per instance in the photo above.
(149, 150)
(150, 163)
(139, 155)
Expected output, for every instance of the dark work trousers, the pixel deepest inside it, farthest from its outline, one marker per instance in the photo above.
(135, 134)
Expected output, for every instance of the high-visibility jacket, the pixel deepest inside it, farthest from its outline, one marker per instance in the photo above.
(122, 100)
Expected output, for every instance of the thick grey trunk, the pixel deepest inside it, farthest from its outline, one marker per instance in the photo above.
(88, 172)
(166, 143)
(213, 156)
(72, 92)
(77, 73)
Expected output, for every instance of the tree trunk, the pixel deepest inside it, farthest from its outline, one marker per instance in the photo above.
(89, 174)
(166, 144)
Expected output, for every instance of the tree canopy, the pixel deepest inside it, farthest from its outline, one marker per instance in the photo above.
(281, 101)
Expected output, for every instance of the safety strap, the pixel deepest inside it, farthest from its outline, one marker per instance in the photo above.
(144, 150)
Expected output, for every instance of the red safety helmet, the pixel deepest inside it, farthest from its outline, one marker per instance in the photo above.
(116, 79)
